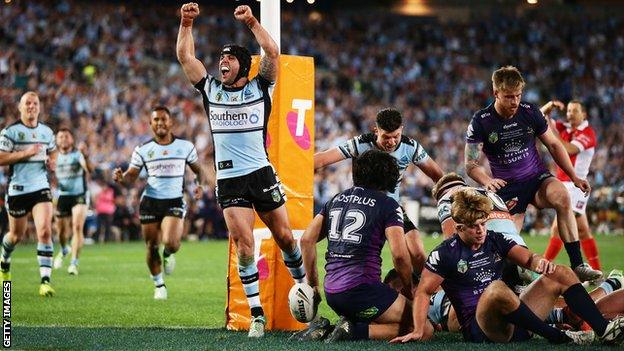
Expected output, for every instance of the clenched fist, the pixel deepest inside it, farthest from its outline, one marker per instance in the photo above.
(243, 14)
(188, 12)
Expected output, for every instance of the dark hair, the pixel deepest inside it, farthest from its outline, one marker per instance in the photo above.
(376, 170)
(242, 55)
(65, 129)
(162, 108)
(389, 119)
(447, 182)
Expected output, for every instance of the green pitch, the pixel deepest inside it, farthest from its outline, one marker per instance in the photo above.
(109, 306)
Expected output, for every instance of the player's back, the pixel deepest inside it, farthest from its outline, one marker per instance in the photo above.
(355, 222)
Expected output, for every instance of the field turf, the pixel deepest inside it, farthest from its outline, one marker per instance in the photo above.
(109, 306)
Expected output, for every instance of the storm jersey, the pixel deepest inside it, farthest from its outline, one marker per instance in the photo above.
(509, 144)
(582, 137)
(466, 272)
(238, 120)
(70, 175)
(409, 151)
(29, 175)
(165, 166)
(499, 220)
(355, 222)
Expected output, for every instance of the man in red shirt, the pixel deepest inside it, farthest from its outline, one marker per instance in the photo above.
(579, 140)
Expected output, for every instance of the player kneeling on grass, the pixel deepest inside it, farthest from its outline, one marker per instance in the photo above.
(357, 222)
(468, 266)
(162, 207)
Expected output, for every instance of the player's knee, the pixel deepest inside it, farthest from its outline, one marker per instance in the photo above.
(173, 246)
(498, 293)
(565, 276)
(561, 200)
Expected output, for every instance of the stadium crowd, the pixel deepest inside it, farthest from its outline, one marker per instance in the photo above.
(99, 73)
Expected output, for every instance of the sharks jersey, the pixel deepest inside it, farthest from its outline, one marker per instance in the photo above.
(70, 174)
(29, 175)
(499, 220)
(238, 120)
(407, 152)
(165, 166)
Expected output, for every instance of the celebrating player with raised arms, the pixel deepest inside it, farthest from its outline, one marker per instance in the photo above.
(162, 207)
(28, 147)
(72, 170)
(238, 110)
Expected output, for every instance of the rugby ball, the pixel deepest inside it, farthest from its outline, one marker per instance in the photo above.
(301, 302)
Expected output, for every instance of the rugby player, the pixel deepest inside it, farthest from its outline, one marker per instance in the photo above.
(162, 208)
(238, 110)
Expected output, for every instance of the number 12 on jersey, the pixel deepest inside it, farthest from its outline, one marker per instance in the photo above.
(345, 229)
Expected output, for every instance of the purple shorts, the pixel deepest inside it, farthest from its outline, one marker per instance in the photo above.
(364, 302)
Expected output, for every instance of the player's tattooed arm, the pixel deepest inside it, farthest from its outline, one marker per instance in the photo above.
(472, 154)
(269, 61)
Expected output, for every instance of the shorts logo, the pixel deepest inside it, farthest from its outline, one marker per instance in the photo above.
(493, 137)
(462, 266)
(275, 194)
(368, 313)
(511, 203)
(579, 205)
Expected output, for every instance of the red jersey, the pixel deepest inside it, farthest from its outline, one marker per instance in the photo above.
(582, 137)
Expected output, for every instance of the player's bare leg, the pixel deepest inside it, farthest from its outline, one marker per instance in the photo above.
(279, 225)
(171, 233)
(240, 221)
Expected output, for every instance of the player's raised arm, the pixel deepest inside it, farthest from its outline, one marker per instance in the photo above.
(185, 45)
(269, 61)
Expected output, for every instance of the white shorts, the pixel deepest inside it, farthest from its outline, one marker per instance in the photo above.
(578, 199)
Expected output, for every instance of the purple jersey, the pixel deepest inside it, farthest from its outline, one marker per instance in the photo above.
(355, 222)
(466, 272)
(509, 144)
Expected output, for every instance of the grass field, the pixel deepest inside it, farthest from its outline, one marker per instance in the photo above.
(109, 306)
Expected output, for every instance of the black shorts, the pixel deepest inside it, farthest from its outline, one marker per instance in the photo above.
(153, 210)
(20, 205)
(519, 195)
(407, 222)
(363, 303)
(260, 189)
(65, 203)
(473, 333)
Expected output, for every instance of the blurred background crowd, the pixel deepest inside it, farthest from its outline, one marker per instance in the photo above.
(99, 67)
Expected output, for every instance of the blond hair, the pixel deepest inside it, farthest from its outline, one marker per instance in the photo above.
(507, 78)
(470, 206)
